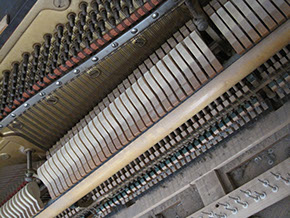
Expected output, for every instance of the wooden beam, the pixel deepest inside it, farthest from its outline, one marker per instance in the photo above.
(4, 23)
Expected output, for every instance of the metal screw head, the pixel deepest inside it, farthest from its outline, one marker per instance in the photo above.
(58, 83)
(270, 162)
(134, 30)
(94, 73)
(16, 124)
(42, 94)
(1, 126)
(61, 4)
(13, 115)
(52, 100)
(140, 41)
(26, 105)
(4, 156)
(155, 15)
(94, 59)
(76, 71)
(115, 44)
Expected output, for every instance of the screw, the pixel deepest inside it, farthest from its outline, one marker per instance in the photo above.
(277, 176)
(235, 198)
(220, 215)
(249, 194)
(13, 115)
(140, 41)
(155, 15)
(61, 3)
(270, 162)
(225, 205)
(26, 105)
(58, 83)
(134, 30)
(258, 159)
(94, 59)
(42, 94)
(76, 71)
(1, 126)
(262, 195)
(238, 200)
(267, 184)
(207, 213)
(234, 210)
(245, 204)
(115, 44)
(286, 181)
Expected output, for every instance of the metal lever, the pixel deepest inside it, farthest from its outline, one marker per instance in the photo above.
(30, 171)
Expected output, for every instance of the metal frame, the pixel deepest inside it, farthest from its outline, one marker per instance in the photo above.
(158, 13)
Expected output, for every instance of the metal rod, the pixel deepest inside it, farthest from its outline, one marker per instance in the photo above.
(29, 159)
(246, 64)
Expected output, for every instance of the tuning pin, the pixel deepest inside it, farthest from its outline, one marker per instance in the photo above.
(103, 13)
(59, 30)
(117, 4)
(92, 27)
(126, 11)
(77, 46)
(83, 7)
(80, 28)
(89, 35)
(5, 85)
(36, 51)
(15, 70)
(101, 25)
(71, 19)
(82, 19)
(74, 51)
(87, 42)
(129, 3)
(107, 6)
(99, 32)
(140, 2)
(95, 6)
(25, 60)
(115, 13)
(47, 40)
(112, 21)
